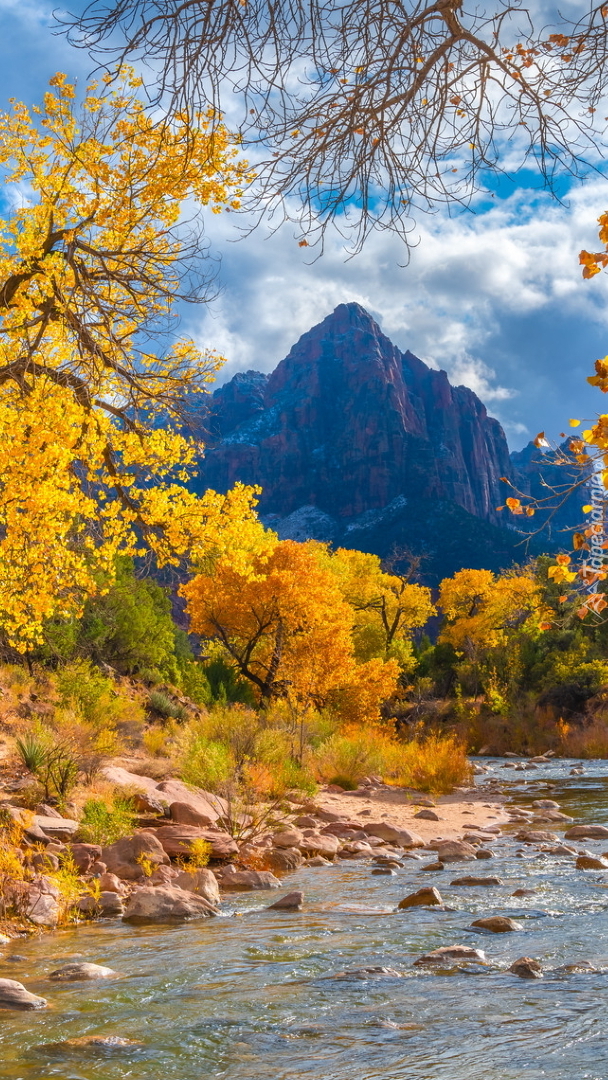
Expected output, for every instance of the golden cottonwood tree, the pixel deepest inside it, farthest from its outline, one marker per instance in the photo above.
(481, 608)
(388, 607)
(288, 630)
(93, 255)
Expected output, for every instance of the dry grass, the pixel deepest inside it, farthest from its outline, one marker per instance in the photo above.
(435, 763)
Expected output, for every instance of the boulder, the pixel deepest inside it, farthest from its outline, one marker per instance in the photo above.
(589, 862)
(291, 902)
(133, 781)
(56, 828)
(384, 871)
(317, 860)
(544, 804)
(320, 844)
(470, 879)
(240, 880)
(484, 853)
(13, 995)
(306, 822)
(433, 866)
(523, 892)
(287, 838)
(536, 836)
(111, 883)
(202, 882)
(497, 924)
(121, 858)
(450, 952)
(399, 837)
(526, 968)
(177, 840)
(81, 973)
(146, 803)
(423, 898)
(186, 814)
(452, 850)
(587, 832)
(203, 802)
(165, 904)
(283, 859)
(36, 900)
(84, 855)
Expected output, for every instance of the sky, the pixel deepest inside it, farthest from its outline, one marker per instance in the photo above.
(495, 298)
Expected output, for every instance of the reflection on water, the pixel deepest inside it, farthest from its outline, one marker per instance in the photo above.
(248, 998)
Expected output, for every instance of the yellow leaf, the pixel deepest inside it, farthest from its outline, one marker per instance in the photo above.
(574, 423)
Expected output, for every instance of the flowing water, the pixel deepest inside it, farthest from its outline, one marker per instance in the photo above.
(254, 995)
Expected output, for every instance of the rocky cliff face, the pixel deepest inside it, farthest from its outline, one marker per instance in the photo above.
(347, 424)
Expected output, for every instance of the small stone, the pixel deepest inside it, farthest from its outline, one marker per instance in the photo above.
(526, 968)
(484, 853)
(422, 898)
(383, 871)
(523, 892)
(291, 902)
(497, 924)
(428, 815)
(433, 866)
(470, 880)
(81, 972)
(13, 995)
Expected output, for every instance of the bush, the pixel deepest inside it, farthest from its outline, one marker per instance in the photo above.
(160, 703)
(435, 763)
(206, 763)
(103, 824)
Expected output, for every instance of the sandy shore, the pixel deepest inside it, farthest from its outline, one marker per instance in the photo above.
(399, 808)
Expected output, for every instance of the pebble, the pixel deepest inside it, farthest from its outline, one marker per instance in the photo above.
(470, 880)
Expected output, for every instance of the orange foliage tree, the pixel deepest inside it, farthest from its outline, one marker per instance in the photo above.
(288, 630)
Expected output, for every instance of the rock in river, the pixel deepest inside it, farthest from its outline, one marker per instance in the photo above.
(450, 952)
(165, 904)
(498, 924)
(291, 902)
(587, 832)
(422, 898)
(470, 880)
(526, 968)
(81, 972)
(13, 995)
(590, 862)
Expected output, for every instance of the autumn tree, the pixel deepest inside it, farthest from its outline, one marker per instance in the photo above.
(93, 254)
(368, 112)
(287, 629)
(387, 607)
(482, 608)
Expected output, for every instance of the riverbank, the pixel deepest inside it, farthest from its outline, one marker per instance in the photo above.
(336, 987)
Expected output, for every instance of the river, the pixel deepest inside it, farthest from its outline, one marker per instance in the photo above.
(250, 996)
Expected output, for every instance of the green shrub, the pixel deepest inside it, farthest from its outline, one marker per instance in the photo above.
(166, 707)
(103, 824)
(206, 763)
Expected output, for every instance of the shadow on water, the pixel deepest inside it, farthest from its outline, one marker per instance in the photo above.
(249, 997)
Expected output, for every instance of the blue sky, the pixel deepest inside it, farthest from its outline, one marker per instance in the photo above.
(494, 298)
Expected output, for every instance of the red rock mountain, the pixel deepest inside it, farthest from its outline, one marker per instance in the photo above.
(347, 424)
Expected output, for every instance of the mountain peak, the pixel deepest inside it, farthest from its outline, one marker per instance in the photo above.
(347, 423)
